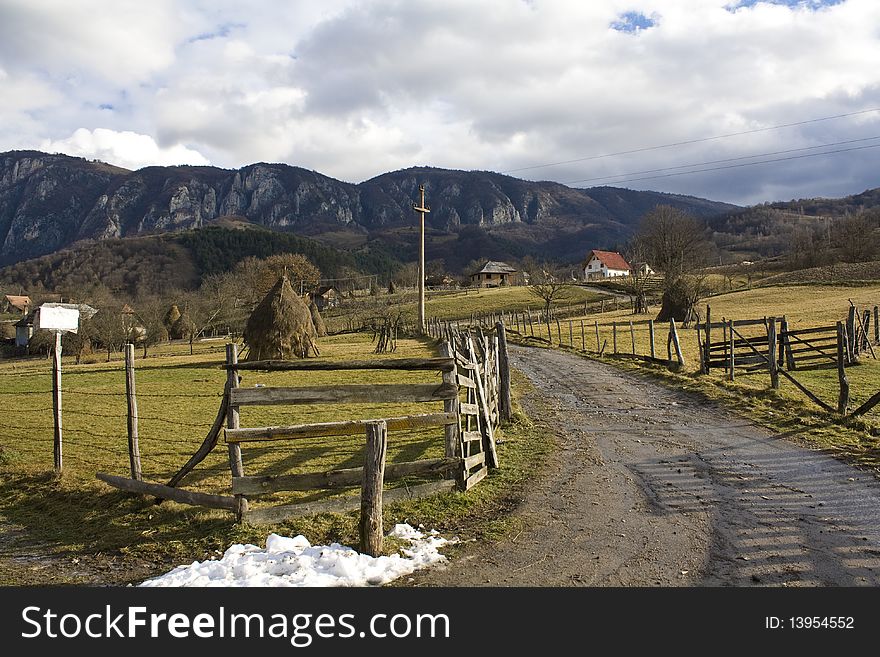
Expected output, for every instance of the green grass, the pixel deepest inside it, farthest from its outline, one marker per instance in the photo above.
(77, 517)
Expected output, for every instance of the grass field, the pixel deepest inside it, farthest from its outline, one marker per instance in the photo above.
(178, 398)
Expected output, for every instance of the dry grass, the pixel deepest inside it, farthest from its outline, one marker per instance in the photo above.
(127, 538)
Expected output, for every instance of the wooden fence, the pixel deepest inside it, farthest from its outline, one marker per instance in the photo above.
(470, 388)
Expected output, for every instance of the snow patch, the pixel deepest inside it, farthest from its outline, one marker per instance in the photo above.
(294, 561)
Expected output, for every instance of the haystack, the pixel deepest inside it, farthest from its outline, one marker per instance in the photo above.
(172, 322)
(317, 320)
(280, 327)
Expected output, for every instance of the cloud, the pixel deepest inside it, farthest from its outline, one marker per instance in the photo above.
(125, 149)
(353, 89)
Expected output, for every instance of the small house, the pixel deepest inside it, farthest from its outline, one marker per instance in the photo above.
(24, 329)
(13, 303)
(642, 269)
(605, 264)
(325, 297)
(493, 274)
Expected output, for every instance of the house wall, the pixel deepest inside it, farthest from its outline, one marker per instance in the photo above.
(596, 269)
(490, 280)
(22, 335)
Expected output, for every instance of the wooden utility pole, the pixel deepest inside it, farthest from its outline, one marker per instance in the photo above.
(422, 209)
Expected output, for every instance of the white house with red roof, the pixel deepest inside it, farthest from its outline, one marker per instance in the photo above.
(605, 264)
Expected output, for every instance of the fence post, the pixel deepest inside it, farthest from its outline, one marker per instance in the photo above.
(843, 398)
(558, 332)
(134, 451)
(786, 346)
(674, 334)
(876, 325)
(570, 335)
(651, 329)
(771, 354)
(732, 363)
(56, 403)
(866, 327)
(632, 335)
(707, 336)
(583, 336)
(371, 488)
(232, 422)
(504, 372)
(451, 405)
(851, 335)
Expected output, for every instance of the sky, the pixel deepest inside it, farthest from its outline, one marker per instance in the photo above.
(578, 92)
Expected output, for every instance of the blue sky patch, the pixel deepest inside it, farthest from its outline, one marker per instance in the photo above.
(632, 21)
(219, 33)
(811, 4)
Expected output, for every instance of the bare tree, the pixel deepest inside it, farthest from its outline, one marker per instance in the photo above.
(675, 244)
(857, 237)
(150, 312)
(549, 286)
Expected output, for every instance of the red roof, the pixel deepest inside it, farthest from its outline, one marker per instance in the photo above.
(610, 259)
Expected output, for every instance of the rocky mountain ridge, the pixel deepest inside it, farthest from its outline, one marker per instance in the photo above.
(48, 202)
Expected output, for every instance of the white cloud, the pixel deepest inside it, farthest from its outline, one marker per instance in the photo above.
(125, 149)
(353, 89)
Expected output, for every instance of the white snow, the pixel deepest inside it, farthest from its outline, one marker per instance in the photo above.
(296, 562)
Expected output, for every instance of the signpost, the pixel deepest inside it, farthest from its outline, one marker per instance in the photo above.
(58, 318)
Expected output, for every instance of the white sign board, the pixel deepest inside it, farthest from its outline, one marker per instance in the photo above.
(57, 317)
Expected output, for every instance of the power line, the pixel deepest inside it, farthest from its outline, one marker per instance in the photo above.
(749, 164)
(693, 141)
(729, 159)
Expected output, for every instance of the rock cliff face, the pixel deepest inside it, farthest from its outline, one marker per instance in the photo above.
(47, 202)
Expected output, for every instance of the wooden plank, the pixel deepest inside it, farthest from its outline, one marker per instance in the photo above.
(469, 436)
(476, 459)
(343, 428)
(169, 493)
(344, 504)
(412, 364)
(468, 409)
(475, 478)
(378, 393)
(807, 331)
(465, 382)
(342, 478)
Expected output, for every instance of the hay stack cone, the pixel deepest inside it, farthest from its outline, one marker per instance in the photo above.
(317, 321)
(280, 327)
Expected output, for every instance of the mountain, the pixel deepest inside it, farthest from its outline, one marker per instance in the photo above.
(49, 202)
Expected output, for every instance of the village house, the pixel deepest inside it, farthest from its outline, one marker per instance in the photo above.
(24, 329)
(605, 264)
(20, 304)
(493, 274)
(325, 297)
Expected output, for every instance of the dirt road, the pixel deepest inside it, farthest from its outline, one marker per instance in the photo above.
(652, 487)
